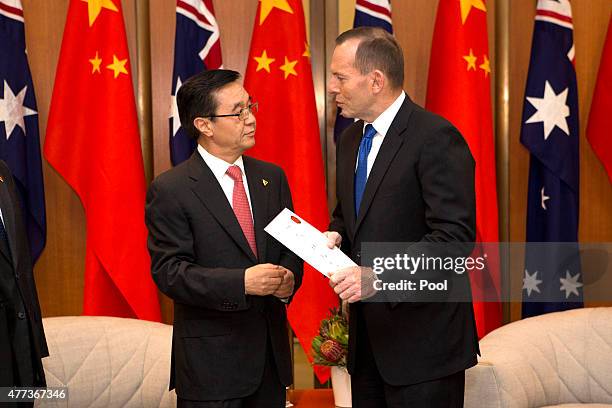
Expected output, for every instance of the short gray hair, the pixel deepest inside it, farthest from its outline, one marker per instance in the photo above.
(377, 49)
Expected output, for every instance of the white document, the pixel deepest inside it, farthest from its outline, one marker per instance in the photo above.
(307, 242)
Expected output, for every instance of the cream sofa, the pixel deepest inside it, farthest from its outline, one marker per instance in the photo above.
(108, 362)
(555, 360)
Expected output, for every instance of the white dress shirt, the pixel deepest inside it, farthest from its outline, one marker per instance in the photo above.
(382, 124)
(219, 168)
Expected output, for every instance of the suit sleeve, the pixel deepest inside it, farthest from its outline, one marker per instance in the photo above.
(337, 223)
(173, 266)
(288, 259)
(446, 172)
(27, 285)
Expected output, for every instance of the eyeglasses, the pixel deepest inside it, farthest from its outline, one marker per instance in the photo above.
(243, 114)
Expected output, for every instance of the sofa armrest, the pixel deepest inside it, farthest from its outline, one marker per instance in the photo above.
(481, 388)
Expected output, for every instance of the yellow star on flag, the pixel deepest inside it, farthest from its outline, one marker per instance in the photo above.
(263, 62)
(289, 67)
(466, 7)
(94, 7)
(118, 66)
(471, 61)
(485, 66)
(306, 50)
(95, 63)
(267, 6)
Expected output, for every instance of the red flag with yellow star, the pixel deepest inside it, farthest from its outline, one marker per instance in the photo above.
(93, 142)
(598, 129)
(279, 77)
(459, 89)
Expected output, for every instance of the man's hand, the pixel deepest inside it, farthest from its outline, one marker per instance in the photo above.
(354, 283)
(286, 287)
(263, 279)
(333, 239)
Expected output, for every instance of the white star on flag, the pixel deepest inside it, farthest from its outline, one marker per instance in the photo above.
(531, 282)
(12, 110)
(544, 198)
(550, 109)
(176, 120)
(570, 284)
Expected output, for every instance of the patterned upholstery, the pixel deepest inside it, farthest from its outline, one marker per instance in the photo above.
(108, 362)
(559, 359)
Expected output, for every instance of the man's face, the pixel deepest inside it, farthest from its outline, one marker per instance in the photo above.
(230, 134)
(347, 85)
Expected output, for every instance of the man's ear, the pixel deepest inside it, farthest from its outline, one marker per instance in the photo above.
(377, 81)
(204, 126)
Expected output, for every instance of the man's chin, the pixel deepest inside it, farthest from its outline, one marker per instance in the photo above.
(249, 141)
(347, 115)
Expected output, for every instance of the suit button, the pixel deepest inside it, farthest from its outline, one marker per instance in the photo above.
(21, 315)
(17, 275)
(358, 255)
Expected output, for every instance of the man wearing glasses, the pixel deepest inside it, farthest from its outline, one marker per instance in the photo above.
(229, 280)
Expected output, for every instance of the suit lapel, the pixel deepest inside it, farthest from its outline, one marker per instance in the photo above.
(388, 150)
(259, 202)
(207, 189)
(8, 215)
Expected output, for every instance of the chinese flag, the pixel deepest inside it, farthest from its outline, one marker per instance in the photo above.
(598, 130)
(92, 141)
(459, 89)
(279, 77)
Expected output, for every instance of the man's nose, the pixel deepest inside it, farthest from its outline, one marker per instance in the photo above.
(250, 120)
(332, 86)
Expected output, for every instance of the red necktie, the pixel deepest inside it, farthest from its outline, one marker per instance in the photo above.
(240, 204)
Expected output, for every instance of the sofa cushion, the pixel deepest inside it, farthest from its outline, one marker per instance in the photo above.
(108, 362)
(579, 406)
(557, 358)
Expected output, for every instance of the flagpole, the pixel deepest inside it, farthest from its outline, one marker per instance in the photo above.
(331, 32)
(143, 88)
(317, 49)
(502, 145)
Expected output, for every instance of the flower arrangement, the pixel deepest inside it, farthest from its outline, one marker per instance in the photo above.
(330, 346)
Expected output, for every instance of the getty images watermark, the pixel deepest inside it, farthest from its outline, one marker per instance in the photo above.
(464, 272)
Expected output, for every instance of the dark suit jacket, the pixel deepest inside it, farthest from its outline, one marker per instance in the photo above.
(22, 339)
(420, 189)
(199, 255)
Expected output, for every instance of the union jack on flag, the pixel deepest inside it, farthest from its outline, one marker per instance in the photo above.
(197, 47)
(19, 136)
(552, 277)
(373, 13)
(368, 13)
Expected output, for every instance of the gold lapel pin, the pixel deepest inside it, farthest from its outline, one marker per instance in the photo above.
(264, 182)
(1, 179)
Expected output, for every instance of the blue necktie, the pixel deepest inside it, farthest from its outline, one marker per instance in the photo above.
(361, 174)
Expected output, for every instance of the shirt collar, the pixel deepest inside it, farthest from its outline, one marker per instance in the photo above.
(219, 166)
(383, 122)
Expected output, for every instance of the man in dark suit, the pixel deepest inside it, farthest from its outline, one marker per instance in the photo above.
(229, 280)
(22, 339)
(403, 175)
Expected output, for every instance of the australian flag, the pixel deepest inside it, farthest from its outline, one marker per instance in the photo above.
(368, 13)
(19, 139)
(196, 47)
(552, 278)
